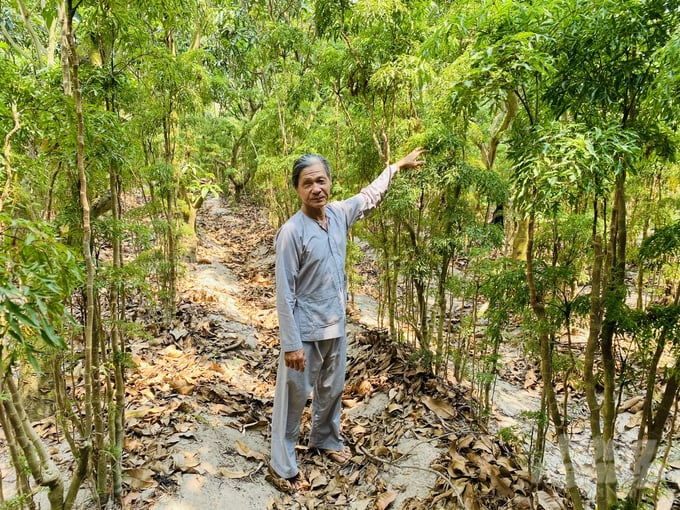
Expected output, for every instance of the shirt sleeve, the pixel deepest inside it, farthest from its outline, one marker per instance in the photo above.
(373, 193)
(287, 269)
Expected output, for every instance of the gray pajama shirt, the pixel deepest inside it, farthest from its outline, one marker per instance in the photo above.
(311, 300)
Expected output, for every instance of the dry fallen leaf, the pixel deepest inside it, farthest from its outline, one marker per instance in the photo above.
(130, 498)
(227, 473)
(246, 451)
(140, 478)
(530, 379)
(173, 352)
(548, 501)
(385, 500)
(144, 412)
(441, 408)
(185, 461)
(317, 479)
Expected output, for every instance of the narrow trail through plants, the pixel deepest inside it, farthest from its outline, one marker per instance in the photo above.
(201, 396)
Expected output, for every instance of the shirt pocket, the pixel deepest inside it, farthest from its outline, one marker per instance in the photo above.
(316, 314)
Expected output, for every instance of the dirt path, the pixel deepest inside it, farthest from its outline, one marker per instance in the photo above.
(200, 397)
(203, 390)
(228, 314)
(202, 393)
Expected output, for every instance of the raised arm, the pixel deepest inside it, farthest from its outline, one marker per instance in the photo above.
(374, 192)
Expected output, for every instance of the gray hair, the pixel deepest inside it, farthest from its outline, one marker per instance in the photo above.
(307, 160)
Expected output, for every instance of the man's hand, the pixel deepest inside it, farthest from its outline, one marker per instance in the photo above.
(411, 160)
(295, 360)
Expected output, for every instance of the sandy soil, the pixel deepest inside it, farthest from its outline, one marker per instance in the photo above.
(216, 440)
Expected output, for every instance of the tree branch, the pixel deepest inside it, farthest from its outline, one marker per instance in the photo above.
(6, 153)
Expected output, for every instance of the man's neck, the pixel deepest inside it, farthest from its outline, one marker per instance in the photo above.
(314, 213)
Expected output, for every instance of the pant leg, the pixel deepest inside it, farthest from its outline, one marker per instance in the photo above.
(328, 390)
(290, 397)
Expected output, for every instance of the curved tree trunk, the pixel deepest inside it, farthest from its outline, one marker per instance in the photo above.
(39, 462)
(652, 427)
(547, 370)
(91, 368)
(23, 486)
(615, 298)
(589, 360)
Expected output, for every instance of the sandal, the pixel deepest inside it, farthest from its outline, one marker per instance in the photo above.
(339, 457)
(297, 483)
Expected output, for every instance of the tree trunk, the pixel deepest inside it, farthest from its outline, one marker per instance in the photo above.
(589, 362)
(652, 425)
(23, 486)
(7, 153)
(420, 321)
(442, 308)
(615, 298)
(72, 86)
(100, 455)
(519, 243)
(117, 300)
(40, 464)
(655, 435)
(389, 276)
(538, 306)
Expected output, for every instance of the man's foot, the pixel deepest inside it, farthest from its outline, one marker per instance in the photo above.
(297, 483)
(339, 457)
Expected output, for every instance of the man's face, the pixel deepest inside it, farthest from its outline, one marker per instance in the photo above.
(314, 186)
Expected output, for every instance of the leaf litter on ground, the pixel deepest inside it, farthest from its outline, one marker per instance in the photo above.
(201, 368)
(200, 394)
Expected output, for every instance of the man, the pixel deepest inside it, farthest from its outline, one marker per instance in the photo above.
(311, 298)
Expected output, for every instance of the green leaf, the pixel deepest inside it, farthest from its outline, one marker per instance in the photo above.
(18, 312)
(33, 361)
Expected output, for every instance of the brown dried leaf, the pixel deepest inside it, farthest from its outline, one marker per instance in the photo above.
(349, 402)
(182, 386)
(185, 461)
(392, 407)
(172, 352)
(144, 412)
(363, 388)
(458, 463)
(484, 444)
(244, 450)
(548, 501)
(317, 479)
(634, 421)
(530, 379)
(130, 498)
(441, 408)
(631, 403)
(164, 468)
(465, 442)
(235, 475)
(140, 478)
(131, 444)
(385, 500)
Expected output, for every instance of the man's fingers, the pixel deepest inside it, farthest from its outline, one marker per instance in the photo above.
(295, 360)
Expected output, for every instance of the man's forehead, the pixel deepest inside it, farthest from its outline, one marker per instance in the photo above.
(313, 171)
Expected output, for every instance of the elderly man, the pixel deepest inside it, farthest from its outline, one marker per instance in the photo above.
(311, 289)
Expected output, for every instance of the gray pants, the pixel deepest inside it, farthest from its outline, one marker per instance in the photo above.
(325, 374)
